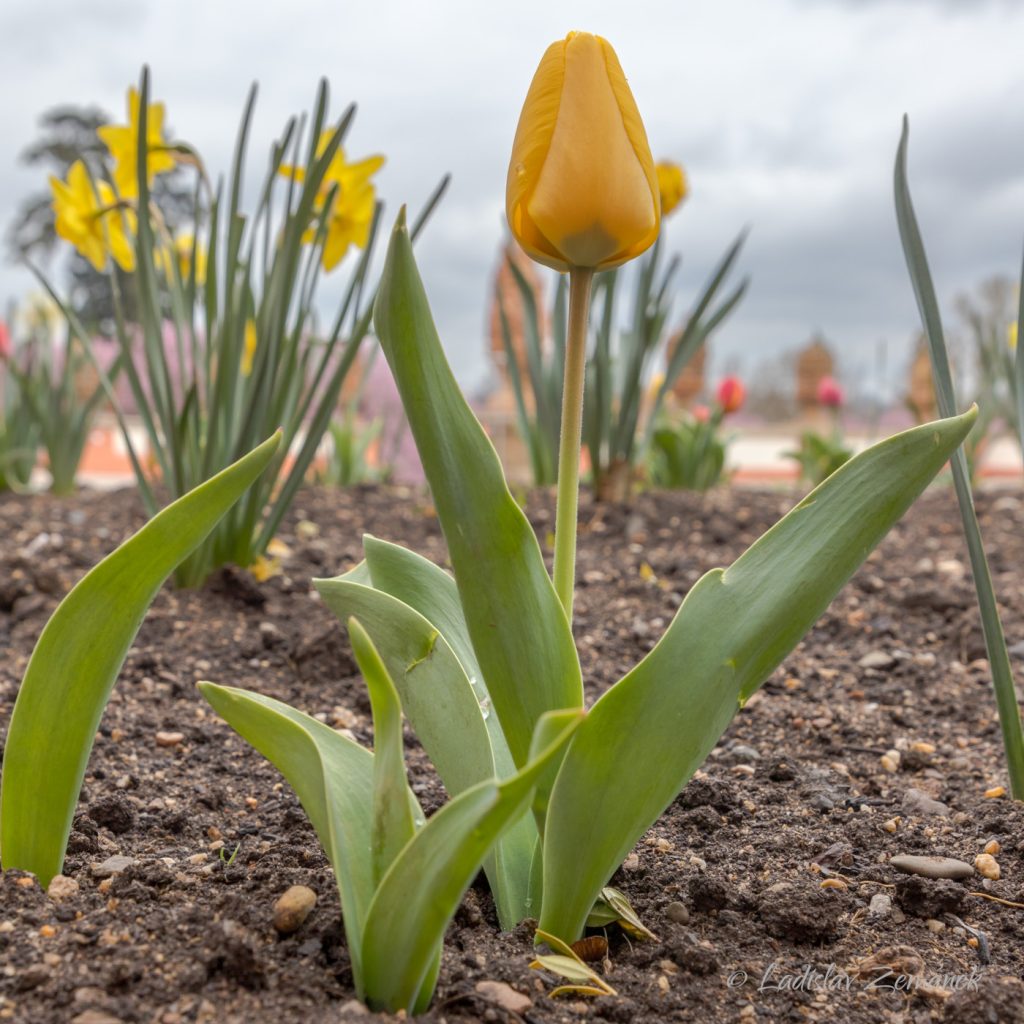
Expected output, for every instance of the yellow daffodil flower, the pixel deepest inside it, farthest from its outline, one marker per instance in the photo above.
(88, 218)
(248, 347)
(1011, 336)
(182, 252)
(351, 213)
(582, 189)
(672, 185)
(123, 143)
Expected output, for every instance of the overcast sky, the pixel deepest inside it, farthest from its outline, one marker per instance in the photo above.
(785, 113)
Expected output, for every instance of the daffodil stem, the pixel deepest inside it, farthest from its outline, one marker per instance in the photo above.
(569, 443)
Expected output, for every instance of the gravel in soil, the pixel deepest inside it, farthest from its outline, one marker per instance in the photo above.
(767, 880)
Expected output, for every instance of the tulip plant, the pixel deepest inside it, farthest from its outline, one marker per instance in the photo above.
(690, 454)
(820, 455)
(618, 424)
(19, 432)
(227, 346)
(482, 661)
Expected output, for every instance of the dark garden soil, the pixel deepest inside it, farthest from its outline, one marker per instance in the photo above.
(731, 878)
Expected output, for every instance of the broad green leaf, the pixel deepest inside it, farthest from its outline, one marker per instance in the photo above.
(647, 734)
(447, 712)
(333, 779)
(75, 664)
(393, 821)
(421, 891)
(520, 632)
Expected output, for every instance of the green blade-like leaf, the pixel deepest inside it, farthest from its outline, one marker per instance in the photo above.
(394, 823)
(645, 737)
(75, 664)
(519, 630)
(992, 628)
(446, 709)
(333, 779)
(420, 893)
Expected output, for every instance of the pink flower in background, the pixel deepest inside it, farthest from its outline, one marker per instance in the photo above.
(830, 394)
(5, 341)
(731, 394)
(701, 413)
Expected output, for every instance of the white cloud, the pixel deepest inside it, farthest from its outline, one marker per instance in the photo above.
(785, 112)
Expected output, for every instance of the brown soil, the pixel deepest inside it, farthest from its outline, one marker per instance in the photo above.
(730, 878)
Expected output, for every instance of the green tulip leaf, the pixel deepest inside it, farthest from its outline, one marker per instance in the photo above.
(333, 778)
(730, 633)
(520, 633)
(421, 892)
(76, 662)
(447, 710)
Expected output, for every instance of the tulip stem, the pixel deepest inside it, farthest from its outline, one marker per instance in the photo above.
(564, 574)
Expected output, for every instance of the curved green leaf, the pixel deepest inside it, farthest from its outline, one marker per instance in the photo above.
(645, 737)
(420, 893)
(444, 708)
(333, 779)
(76, 661)
(520, 632)
(394, 823)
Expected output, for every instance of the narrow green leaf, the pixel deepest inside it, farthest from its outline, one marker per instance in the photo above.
(75, 664)
(992, 628)
(420, 893)
(393, 821)
(647, 734)
(333, 779)
(517, 625)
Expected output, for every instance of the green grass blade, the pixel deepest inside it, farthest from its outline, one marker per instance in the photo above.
(519, 630)
(75, 664)
(995, 642)
(644, 738)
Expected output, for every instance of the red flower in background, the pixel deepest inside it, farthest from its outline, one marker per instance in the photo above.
(731, 394)
(830, 394)
(5, 341)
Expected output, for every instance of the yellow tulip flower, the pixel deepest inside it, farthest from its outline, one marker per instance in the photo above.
(86, 215)
(1011, 336)
(123, 143)
(582, 189)
(672, 185)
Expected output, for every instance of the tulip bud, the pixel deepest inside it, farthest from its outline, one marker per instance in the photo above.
(731, 394)
(830, 394)
(5, 342)
(582, 189)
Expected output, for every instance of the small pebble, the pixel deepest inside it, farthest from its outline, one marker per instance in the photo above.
(880, 906)
(932, 867)
(678, 913)
(292, 909)
(833, 883)
(919, 803)
(877, 659)
(891, 825)
(111, 866)
(504, 995)
(62, 888)
(631, 863)
(934, 926)
(992, 847)
(987, 866)
(890, 761)
(169, 739)
(995, 792)
(922, 748)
